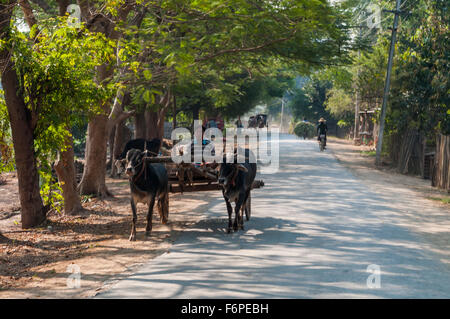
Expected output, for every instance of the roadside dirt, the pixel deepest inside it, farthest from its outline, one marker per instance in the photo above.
(38, 263)
(359, 160)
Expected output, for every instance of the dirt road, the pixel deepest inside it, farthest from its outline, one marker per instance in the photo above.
(317, 231)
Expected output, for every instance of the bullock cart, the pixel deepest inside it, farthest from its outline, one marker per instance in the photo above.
(189, 177)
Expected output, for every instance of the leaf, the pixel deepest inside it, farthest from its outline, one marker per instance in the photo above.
(147, 74)
(146, 96)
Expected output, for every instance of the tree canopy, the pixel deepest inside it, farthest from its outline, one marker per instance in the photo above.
(106, 61)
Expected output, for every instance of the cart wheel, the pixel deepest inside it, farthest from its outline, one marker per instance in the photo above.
(248, 207)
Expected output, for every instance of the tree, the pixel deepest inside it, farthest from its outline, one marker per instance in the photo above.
(23, 123)
(53, 66)
(420, 86)
(93, 179)
(231, 39)
(309, 101)
(418, 103)
(340, 105)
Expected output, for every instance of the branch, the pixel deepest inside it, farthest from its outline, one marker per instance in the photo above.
(249, 49)
(85, 12)
(43, 5)
(125, 115)
(28, 13)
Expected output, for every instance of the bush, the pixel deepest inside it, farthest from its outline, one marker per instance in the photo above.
(305, 129)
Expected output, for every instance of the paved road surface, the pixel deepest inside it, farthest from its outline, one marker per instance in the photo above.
(314, 231)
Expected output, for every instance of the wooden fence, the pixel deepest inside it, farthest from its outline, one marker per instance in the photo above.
(441, 169)
(407, 151)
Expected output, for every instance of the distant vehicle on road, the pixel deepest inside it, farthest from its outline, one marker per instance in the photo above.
(214, 122)
(258, 121)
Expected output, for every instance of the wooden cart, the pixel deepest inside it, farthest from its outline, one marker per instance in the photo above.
(188, 177)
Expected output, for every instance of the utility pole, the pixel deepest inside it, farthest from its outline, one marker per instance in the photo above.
(356, 130)
(387, 84)
(282, 111)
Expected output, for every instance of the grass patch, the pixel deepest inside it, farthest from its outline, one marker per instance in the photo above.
(368, 153)
(444, 200)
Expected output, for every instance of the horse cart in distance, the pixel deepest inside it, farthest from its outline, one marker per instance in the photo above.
(258, 121)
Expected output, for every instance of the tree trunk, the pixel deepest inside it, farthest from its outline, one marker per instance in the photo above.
(63, 4)
(121, 137)
(65, 169)
(65, 165)
(93, 180)
(139, 126)
(441, 170)
(155, 119)
(155, 123)
(117, 116)
(110, 161)
(33, 211)
(151, 123)
(161, 121)
(32, 208)
(196, 113)
(27, 12)
(174, 111)
(94, 173)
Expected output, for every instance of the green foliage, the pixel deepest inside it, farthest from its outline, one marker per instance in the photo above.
(418, 97)
(368, 153)
(339, 103)
(56, 67)
(233, 31)
(344, 123)
(372, 73)
(308, 102)
(220, 53)
(51, 191)
(229, 94)
(421, 84)
(305, 129)
(6, 148)
(341, 106)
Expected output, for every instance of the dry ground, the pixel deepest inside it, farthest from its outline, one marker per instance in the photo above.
(362, 164)
(34, 263)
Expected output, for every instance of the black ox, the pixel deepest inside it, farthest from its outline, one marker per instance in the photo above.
(148, 182)
(152, 146)
(236, 180)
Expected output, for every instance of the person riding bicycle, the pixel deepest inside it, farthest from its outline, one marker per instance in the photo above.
(322, 129)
